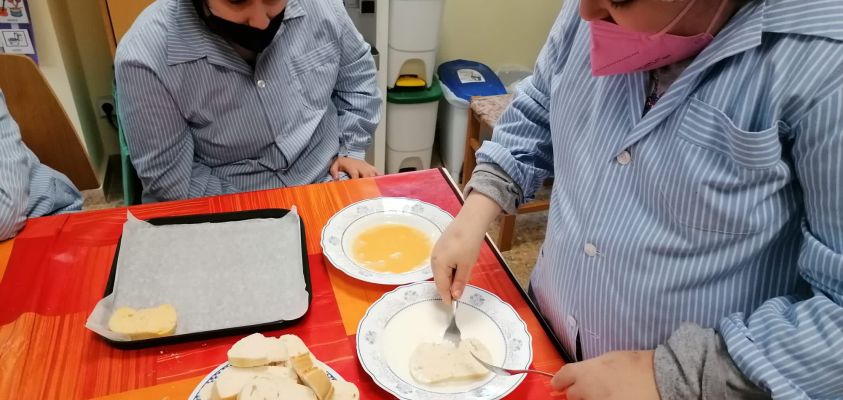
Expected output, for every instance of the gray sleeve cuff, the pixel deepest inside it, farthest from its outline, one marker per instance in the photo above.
(490, 180)
(694, 364)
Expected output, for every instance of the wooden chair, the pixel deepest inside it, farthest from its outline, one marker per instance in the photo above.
(483, 114)
(44, 125)
(119, 15)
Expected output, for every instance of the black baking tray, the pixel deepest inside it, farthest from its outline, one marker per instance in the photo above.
(198, 336)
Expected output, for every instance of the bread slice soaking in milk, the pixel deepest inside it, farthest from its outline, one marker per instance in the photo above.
(433, 363)
(267, 368)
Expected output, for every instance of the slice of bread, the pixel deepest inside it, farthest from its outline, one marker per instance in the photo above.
(145, 323)
(256, 350)
(285, 372)
(294, 345)
(232, 379)
(252, 375)
(251, 351)
(263, 388)
(345, 391)
(301, 363)
(277, 352)
(317, 380)
(433, 363)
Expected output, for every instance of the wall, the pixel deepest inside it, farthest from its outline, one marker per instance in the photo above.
(97, 63)
(496, 32)
(74, 56)
(50, 58)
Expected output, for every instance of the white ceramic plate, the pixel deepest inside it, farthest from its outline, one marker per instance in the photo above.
(209, 379)
(341, 230)
(413, 314)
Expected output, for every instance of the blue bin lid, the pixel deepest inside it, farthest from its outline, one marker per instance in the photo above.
(470, 78)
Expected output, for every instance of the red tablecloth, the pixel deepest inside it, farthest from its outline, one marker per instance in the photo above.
(55, 271)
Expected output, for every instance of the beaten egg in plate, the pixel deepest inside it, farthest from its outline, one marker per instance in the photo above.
(392, 247)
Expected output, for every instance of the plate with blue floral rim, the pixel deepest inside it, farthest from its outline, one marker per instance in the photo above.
(345, 226)
(413, 314)
(203, 389)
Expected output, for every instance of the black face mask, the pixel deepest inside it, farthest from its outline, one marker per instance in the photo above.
(242, 35)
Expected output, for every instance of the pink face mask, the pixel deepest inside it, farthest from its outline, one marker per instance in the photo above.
(617, 50)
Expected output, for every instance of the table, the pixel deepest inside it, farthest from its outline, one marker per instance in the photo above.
(55, 271)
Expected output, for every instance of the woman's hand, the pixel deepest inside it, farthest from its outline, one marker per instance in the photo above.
(456, 251)
(353, 167)
(453, 259)
(617, 375)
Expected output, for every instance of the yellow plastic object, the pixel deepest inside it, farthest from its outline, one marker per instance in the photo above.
(410, 81)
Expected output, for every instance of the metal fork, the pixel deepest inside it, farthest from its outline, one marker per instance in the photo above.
(509, 372)
(452, 334)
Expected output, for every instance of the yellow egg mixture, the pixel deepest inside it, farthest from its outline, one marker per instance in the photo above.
(394, 248)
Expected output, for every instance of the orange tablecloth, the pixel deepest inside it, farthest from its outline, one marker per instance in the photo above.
(53, 273)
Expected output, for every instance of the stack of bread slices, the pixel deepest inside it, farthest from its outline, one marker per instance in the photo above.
(268, 368)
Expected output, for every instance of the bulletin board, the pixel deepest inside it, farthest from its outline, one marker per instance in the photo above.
(16, 35)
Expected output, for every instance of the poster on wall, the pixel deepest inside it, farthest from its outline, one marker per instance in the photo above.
(16, 36)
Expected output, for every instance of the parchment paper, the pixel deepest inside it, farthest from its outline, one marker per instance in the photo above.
(216, 275)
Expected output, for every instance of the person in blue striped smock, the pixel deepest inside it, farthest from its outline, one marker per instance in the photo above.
(225, 96)
(28, 188)
(694, 246)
